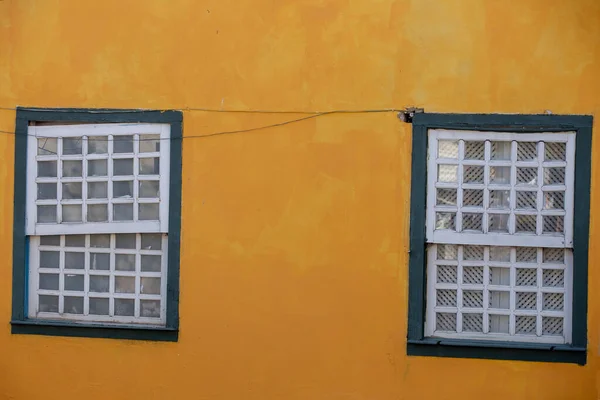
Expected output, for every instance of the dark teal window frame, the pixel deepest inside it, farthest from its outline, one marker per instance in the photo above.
(417, 344)
(20, 324)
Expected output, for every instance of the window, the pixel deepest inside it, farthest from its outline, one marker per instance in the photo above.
(97, 243)
(493, 261)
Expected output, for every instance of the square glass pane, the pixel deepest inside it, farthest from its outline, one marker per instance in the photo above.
(448, 173)
(74, 282)
(99, 261)
(553, 224)
(526, 254)
(75, 241)
(148, 212)
(500, 175)
(97, 190)
(149, 143)
(46, 169)
(499, 276)
(124, 307)
(122, 189)
(474, 150)
(446, 197)
(553, 256)
(49, 259)
(123, 167)
(445, 220)
(500, 199)
(526, 151)
(554, 151)
(151, 241)
(525, 223)
(99, 306)
(498, 324)
(71, 213)
(150, 308)
(125, 241)
(125, 262)
(527, 200)
(50, 240)
(500, 253)
(527, 176)
(74, 260)
(500, 300)
(473, 174)
(472, 222)
(448, 149)
(123, 212)
(71, 190)
(97, 212)
(73, 305)
(71, 168)
(46, 214)
(100, 241)
(98, 145)
(46, 191)
(99, 284)
(554, 176)
(123, 144)
(554, 200)
(49, 281)
(48, 303)
(472, 197)
(151, 263)
(149, 189)
(124, 284)
(150, 285)
(72, 145)
(97, 167)
(447, 251)
(149, 166)
(500, 150)
(47, 147)
(498, 223)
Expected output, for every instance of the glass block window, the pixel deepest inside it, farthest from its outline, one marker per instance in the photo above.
(97, 222)
(500, 235)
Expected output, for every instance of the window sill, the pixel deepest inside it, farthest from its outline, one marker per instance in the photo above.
(438, 347)
(70, 329)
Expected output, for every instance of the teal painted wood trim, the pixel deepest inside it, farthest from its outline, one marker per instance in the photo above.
(496, 351)
(20, 323)
(519, 123)
(416, 266)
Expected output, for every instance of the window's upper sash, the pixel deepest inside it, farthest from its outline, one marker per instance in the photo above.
(501, 188)
(97, 178)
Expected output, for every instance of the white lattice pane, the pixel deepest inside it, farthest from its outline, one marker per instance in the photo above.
(474, 150)
(473, 253)
(499, 276)
(472, 275)
(498, 222)
(499, 323)
(500, 199)
(553, 224)
(526, 151)
(525, 325)
(447, 252)
(473, 198)
(554, 176)
(445, 322)
(526, 300)
(554, 200)
(445, 220)
(527, 200)
(446, 197)
(525, 223)
(473, 298)
(526, 277)
(555, 151)
(500, 175)
(448, 149)
(553, 278)
(554, 255)
(527, 176)
(472, 221)
(448, 173)
(526, 254)
(446, 298)
(472, 322)
(501, 150)
(473, 174)
(446, 274)
(552, 326)
(553, 301)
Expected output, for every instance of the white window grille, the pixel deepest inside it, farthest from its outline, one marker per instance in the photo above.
(97, 221)
(499, 233)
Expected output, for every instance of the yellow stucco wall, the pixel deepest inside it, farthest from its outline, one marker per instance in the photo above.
(294, 239)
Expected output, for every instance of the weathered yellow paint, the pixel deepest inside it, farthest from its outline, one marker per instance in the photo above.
(294, 239)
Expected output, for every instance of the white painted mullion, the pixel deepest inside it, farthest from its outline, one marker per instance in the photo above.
(540, 195)
(110, 173)
(61, 277)
(513, 194)
(539, 304)
(59, 173)
(568, 296)
(138, 270)
(164, 265)
(431, 180)
(111, 291)
(431, 294)
(136, 177)
(459, 191)
(486, 180)
(486, 292)
(84, 174)
(86, 277)
(33, 276)
(31, 186)
(459, 290)
(570, 189)
(512, 293)
(165, 176)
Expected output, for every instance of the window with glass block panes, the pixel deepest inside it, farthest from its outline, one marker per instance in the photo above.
(499, 234)
(97, 222)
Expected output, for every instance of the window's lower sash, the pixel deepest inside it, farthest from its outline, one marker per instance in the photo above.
(459, 348)
(71, 329)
